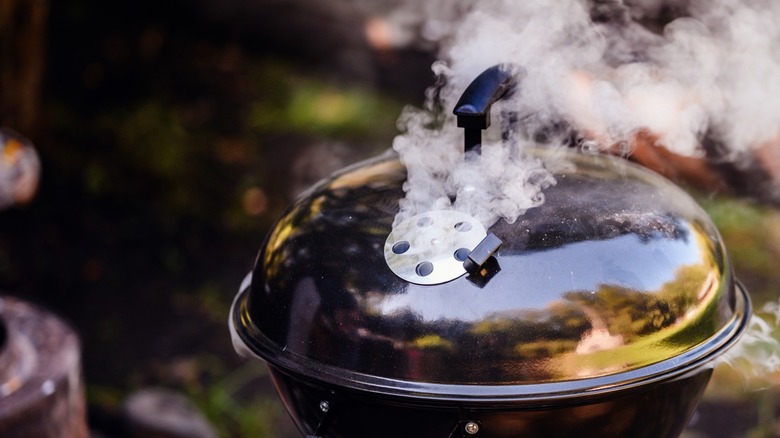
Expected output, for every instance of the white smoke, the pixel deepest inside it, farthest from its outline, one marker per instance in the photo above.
(499, 183)
(605, 69)
(756, 355)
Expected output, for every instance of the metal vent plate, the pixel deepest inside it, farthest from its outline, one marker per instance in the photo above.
(430, 248)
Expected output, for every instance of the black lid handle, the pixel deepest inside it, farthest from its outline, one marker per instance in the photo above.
(473, 107)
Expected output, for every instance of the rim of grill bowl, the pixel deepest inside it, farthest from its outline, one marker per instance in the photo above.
(243, 331)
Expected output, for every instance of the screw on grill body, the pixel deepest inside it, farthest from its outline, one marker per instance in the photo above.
(471, 428)
(324, 406)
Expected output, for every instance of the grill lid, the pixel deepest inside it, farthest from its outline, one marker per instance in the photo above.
(618, 279)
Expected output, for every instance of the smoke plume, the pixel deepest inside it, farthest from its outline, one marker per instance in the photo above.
(756, 354)
(597, 73)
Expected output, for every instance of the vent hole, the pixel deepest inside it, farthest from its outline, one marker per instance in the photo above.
(424, 269)
(462, 254)
(463, 227)
(424, 222)
(401, 247)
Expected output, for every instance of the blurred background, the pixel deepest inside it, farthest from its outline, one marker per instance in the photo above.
(171, 134)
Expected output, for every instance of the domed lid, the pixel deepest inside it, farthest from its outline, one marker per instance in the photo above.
(617, 280)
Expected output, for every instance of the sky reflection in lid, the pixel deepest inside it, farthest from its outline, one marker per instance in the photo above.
(534, 280)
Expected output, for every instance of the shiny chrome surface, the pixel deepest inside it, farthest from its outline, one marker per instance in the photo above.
(430, 248)
(617, 280)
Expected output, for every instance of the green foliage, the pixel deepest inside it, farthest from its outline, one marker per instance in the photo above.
(235, 415)
(752, 236)
(296, 103)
